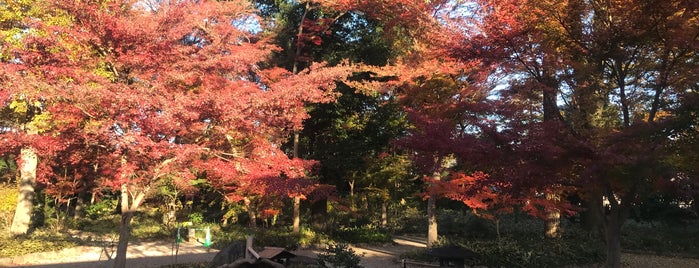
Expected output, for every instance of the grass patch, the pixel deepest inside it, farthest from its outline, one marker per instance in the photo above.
(270, 237)
(38, 241)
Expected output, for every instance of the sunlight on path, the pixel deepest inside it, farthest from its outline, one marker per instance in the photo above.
(142, 254)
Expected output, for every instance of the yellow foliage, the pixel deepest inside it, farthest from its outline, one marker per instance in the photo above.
(8, 203)
(41, 123)
(19, 106)
(13, 18)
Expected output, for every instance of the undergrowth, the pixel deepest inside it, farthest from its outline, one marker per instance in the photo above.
(37, 241)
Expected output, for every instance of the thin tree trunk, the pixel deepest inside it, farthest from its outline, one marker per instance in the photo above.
(297, 55)
(253, 219)
(365, 203)
(124, 229)
(432, 232)
(251, 213)
(553, 217)
(296, 227)
(297, 215)
(79, 207)
(384, 213)
(351, 185)
(497, 230)
(25, 199)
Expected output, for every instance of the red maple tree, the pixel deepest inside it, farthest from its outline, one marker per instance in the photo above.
(172, 90)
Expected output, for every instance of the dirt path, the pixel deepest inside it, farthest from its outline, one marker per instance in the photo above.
(161, 253)
(139, 254)
(388, 256)
(158, 254)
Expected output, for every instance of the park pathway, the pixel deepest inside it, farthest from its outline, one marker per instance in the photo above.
(161, 253)
(139, 254)
(389, 255)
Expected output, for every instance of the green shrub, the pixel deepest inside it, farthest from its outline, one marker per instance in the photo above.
(340, 256)
(535, 252)
(38, 241)
(103, 225)
(409, 220)
(522, 243)
(148, 228)
(367, 234)
(102, 208)
(196, 217)
(310, 237)
(275, 237)
(663, 240)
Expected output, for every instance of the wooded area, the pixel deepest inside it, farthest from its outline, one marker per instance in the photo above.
(331, 116)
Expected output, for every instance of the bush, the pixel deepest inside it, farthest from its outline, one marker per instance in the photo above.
(409, 220)
(38, 241)
(196, 217)
(8, 203)
(146, 227)
(340, 256)
(522, 244)
(102, 208)
(367, 234)
(536, 252)
(663, 240)
(103, 225)
(276, 238)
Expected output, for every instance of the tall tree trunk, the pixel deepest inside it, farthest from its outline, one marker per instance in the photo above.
(618, 210)
(351, 185)
(252, 214)
(432, 232)
(319, 215)
(592, 216)
(124, 229)
(553, 216)
(551, 114)
(613, 239)
(297, 215)
(25, 199)
(124, 236)
(296, 227)
(128, 207)
(79, 207)
(365, 203)
(384, 213)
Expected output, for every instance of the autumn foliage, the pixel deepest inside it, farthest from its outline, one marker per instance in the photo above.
(544, 107)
